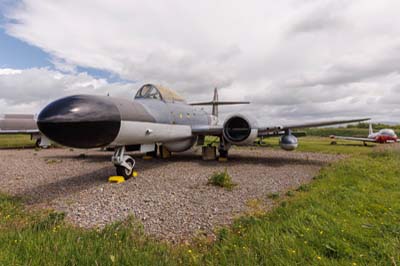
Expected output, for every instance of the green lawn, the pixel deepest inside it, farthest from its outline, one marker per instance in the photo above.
(16, 141)
(323, 144)
(349, 215)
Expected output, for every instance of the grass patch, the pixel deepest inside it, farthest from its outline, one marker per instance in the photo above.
(323, 145)
(274, 195)
(222, 179)
(349, 215)
(16, 141)
(290, 193)
(303, 188)
(313, 144)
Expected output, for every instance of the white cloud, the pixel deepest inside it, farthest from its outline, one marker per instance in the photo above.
(296, 59)
(9, 71)
(28, 90)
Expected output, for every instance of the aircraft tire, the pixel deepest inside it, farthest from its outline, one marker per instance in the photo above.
(223, 153)
(122, 171)
(37, 143)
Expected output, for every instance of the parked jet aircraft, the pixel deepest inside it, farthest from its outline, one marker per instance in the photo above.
(22, 124)
(382, 136)
(157, 115)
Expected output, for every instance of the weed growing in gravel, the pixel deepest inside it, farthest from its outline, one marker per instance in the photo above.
(52, 161)
(303, 188)
(256, 207)
(290, 193)
(274, 195)
(222, 179)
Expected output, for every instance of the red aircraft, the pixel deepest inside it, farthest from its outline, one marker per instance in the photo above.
(382, 136)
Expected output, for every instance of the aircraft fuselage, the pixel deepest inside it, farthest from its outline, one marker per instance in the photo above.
(87, 121)
(384, 136)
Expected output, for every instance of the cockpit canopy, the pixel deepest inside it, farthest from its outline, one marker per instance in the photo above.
(150, 91)
(388, 132)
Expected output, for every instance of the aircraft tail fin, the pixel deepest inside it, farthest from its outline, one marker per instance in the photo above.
(215, 103)
(215, 106)
(371, 131)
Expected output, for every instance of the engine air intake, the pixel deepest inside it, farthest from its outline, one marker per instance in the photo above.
(237, 129)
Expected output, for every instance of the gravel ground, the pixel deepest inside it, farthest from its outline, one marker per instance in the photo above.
(171, 197)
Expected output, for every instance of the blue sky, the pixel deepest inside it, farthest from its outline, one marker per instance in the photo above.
(17, 54)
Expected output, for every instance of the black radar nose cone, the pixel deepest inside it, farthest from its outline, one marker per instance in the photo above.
(81, 121)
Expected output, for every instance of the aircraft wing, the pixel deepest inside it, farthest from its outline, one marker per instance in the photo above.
(353, 138)
(266, 131)
(18, 124)
(29, 131)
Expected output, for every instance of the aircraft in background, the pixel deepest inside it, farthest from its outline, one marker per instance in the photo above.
(382, 136)
(156, 116)
(23, 124)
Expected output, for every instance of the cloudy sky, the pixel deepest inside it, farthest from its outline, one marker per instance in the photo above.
(296, 60)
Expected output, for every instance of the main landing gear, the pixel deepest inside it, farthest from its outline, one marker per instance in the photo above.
(124, 164)
(223, 149)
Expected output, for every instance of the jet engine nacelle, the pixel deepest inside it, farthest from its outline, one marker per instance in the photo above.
(288, 142)
(180, 146)
(240, 129)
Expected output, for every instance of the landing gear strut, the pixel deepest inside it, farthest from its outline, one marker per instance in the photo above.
(223, 149)
(124, 164)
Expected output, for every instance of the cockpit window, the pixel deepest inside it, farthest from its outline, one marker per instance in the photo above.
(148, 92)
(387, 132)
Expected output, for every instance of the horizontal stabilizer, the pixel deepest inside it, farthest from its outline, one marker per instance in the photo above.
(216, 102)
(352, 138)
(219, 103)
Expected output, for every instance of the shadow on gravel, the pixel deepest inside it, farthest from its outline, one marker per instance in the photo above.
(64, 187)
(70, 185)
(196, 158)
(237, 159)
(92, 158)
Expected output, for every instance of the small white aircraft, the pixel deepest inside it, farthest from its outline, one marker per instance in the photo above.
(382, 136)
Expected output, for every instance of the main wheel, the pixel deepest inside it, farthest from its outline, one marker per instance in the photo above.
(126, 173)
(223, 153)
(37, 143)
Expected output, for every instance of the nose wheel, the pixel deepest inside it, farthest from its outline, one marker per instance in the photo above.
(126, 172)
(124, 164)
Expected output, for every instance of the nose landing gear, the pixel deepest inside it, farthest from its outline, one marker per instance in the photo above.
(124, 164)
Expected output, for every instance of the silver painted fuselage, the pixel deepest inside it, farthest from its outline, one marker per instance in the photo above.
(170, 122)
(87, 121)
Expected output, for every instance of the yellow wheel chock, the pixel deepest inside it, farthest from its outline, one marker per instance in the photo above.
(222, 159)
(116, 179)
